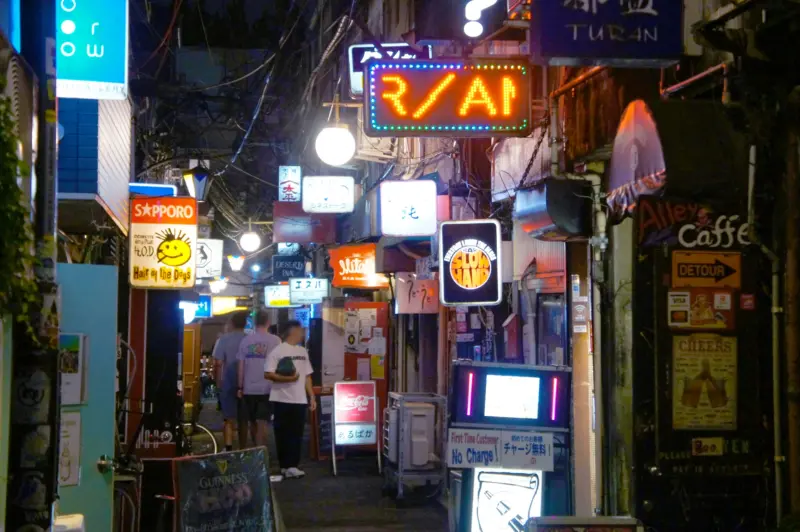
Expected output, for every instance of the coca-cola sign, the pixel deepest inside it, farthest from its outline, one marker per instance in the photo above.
(354, 267)
(354, 402)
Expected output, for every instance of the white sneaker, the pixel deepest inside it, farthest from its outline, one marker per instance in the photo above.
(293, 472)
(275, 478)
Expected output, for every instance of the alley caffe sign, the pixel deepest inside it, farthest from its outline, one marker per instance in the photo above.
(163, 243)
(688, 225)
(469, 263)
(457, 98)
(354, 267)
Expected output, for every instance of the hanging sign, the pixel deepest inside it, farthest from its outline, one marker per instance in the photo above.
(163, 242)
(203, 309)
(284, 267)
(221, 305)
(408, 208)
(308, 291)
(286, 248)
(292, 224)
(92, 49)
(469, 263)
(416, 296)
(209, 258)
(630, 32)
(354, 267)
(289, 183)
(359, 54)
(277, 296)
(355, 413)
(434, 98)
(328, 194)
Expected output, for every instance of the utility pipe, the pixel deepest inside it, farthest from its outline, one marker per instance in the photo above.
(599, 244)
(722, 67)
(776, 352)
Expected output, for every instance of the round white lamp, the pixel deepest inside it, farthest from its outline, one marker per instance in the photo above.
(250, 241)
(218, 285)
(236, 262)
(335, 145)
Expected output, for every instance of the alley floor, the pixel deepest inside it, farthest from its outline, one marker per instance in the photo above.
(349, 502)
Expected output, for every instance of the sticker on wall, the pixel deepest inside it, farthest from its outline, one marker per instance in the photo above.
(701, 308)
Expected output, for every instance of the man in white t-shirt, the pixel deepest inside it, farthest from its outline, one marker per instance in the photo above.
(290, 396)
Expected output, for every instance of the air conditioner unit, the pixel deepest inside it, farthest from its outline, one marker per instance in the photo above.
(377, 150)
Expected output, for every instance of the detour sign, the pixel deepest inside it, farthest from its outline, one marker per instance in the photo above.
(706, 269)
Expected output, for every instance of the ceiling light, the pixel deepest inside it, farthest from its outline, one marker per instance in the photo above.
(335, 145)
(250, 241)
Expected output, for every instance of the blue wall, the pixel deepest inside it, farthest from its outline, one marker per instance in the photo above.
(78, 150)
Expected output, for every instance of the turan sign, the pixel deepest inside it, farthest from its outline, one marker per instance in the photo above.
(608, 32)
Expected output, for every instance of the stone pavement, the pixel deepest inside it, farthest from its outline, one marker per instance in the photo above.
(349, 502)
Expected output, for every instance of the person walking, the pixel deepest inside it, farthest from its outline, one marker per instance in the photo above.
(289, 368)
(226, 366)
(254, 389)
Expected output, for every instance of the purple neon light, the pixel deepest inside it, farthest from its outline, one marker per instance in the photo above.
(553, 401)
(469, 394)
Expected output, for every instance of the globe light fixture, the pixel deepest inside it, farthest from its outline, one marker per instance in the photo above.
(255, 268)
(335, 145)
(250, 241)
(236, 262)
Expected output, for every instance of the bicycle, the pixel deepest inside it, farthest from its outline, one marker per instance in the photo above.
(198, 439)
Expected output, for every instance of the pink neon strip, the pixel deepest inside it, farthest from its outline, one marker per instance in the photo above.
(553, 401)
(469, 395)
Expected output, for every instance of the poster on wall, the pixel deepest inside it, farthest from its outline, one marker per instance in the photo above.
(69, 450)
(72, 361)
(505, 499)
(470, 263)
(354, 267)
(701, 308)
(163, 243)
(704, 376)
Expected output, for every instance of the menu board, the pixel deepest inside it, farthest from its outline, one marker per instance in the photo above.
(324, 424)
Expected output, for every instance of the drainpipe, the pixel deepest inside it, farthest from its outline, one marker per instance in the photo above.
(776, 353)
(722, 68)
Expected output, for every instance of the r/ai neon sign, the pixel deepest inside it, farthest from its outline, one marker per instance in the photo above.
(429, 98)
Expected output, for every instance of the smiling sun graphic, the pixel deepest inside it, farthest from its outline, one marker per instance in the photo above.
(174, 249)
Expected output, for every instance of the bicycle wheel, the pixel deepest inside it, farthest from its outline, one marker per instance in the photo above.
(202, 440)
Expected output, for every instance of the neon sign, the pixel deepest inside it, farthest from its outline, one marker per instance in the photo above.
(419, 98)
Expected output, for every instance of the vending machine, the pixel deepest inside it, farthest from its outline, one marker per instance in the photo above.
(509, 435)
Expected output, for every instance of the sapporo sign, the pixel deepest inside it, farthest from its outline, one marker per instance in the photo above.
(469, 263)
(163, 242)
(706, 269)
(424, 98)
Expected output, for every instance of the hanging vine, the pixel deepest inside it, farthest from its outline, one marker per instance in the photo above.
(19, 293)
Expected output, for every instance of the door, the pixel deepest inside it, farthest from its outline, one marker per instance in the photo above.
(191, 365)
(89, 310)
(332, 345)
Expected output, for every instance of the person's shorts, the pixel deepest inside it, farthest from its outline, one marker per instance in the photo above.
(255, 408)
(229, 404)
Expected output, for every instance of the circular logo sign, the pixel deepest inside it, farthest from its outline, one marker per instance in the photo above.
(471, 266)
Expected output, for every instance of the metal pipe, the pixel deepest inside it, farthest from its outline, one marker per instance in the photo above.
(739, 9)
(791, 318)
(579, 80)
(776, 353)
(722, 67)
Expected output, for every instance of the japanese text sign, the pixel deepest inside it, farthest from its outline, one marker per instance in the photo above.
(431, 98)
(359, 54)
(277, 296)
(328, 194)
(284, 267)
(354, 267)
(416, 296)
(473, 448)
(92, 49)
(163, 242)
(408, 208)
(355, 413)
(308, 291)
(647, 32)
(470, 263)
(289, 183)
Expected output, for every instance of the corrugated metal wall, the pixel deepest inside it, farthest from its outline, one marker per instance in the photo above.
(114, 156)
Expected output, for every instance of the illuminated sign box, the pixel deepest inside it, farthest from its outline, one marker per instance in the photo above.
(510, 395)
(359, 54)
(308, 291)
(277, 296)
(470, 263)
(426, 98)
(408, 208)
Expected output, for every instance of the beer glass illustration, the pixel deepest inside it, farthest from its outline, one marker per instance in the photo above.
(506, 500)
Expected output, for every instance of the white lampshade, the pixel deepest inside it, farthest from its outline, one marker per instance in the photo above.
(236, 262)
(250, 241)
(218, 285)
(473, 29)
(335, 145)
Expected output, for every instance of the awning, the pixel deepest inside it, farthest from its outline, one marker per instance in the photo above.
(681, 148)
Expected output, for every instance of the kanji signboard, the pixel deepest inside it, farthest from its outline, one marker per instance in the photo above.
(706, 269)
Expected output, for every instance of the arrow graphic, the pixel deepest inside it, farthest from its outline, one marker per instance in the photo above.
(717, 270)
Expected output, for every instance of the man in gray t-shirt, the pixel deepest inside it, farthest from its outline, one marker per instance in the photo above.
(253, 387)
(226, 367)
